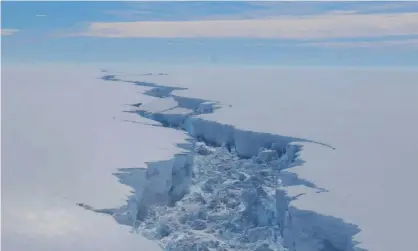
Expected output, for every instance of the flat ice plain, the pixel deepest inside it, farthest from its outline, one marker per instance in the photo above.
(65, 134)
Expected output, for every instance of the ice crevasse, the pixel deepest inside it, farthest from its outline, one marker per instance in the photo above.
(226, 190)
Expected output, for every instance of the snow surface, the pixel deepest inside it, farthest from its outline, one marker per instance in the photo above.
(303, 159)
(64, 135)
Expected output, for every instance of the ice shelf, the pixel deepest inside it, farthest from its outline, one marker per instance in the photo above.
(228, 189)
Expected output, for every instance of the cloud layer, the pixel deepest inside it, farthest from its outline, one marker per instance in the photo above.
(405, 43)
(336, 25)
(8, 32)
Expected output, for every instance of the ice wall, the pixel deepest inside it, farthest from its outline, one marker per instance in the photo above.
(169, 183)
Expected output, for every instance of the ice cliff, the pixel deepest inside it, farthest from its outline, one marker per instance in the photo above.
(225, 191)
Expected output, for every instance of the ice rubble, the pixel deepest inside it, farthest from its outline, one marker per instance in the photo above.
(226, 191)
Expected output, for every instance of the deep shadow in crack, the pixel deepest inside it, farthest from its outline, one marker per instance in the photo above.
(169, 89)
(331, 233)
(162, 91)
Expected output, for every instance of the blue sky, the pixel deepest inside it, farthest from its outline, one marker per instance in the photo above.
(215, 33)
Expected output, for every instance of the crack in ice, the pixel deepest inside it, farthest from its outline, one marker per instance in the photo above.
(225, 191)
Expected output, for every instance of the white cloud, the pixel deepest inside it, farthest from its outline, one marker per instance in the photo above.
(404, 43)
(8, 32)
(307, 27)
(40, 15)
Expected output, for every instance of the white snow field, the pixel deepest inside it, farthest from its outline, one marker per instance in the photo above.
(244, 159)
(63, 137)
